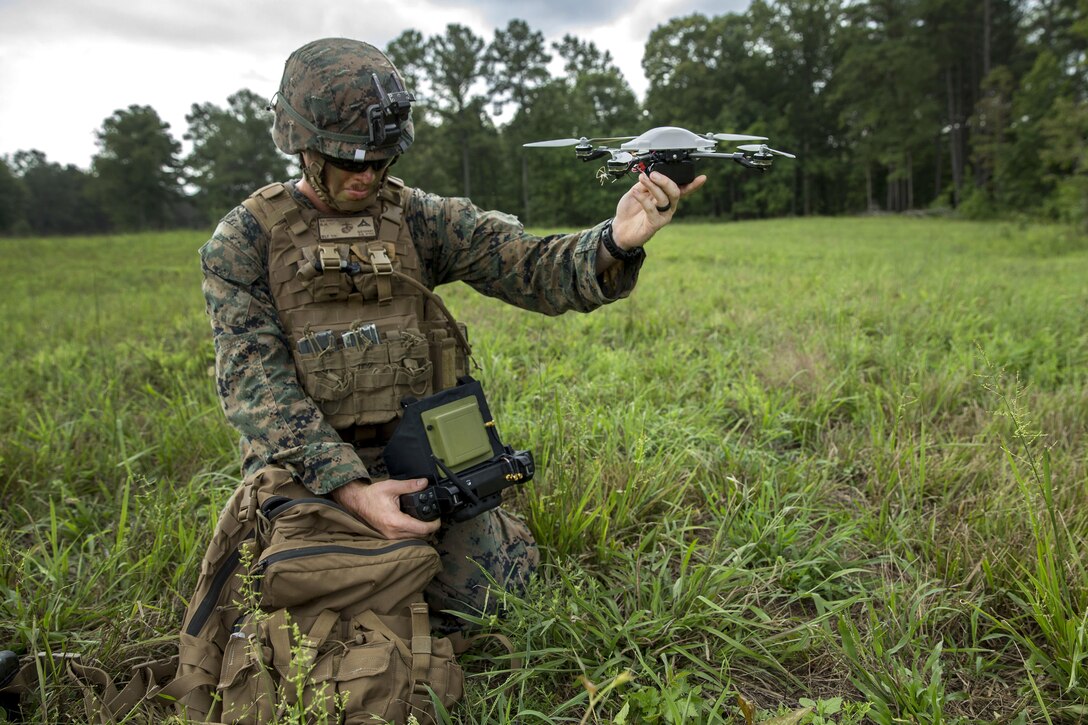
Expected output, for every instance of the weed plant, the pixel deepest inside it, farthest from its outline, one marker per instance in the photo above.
(812, 471)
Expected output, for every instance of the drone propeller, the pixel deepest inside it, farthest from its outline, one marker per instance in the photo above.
(555, 143)
(735, 137)
(762, 148)
(713, 155)
(559, 142)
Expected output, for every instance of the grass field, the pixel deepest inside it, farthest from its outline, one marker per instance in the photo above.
(829, 467)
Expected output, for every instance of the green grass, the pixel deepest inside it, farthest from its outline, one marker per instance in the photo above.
(806, 460)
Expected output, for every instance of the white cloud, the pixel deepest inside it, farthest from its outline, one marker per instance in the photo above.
(70, 66)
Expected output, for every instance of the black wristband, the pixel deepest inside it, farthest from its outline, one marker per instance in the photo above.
(623, 255)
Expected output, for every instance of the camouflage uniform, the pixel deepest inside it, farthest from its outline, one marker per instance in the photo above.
(455, 240)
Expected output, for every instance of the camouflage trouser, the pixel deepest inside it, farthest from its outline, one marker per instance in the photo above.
(495, 544)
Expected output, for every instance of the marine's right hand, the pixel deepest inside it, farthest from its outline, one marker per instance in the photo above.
(378, 504)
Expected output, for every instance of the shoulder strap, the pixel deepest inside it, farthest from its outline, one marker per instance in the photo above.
(273, 204)
(393, 190)
(392, 219)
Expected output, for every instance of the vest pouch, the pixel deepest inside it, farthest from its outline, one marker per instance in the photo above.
(448, 360)
(387, 372)
(460, 357)
(376, 287)
(442, 349)
(326, 378)
(363, 385)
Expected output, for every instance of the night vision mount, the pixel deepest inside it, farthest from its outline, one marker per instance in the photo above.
(386, 118)
(450, 439)
(670, 150)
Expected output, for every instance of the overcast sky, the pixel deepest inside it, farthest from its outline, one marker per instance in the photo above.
(66, 65)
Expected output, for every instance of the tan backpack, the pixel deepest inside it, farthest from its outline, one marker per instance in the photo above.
(301, 609)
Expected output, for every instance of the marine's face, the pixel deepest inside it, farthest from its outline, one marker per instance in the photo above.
(352, 183)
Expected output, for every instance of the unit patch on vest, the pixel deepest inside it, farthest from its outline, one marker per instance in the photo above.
(352, 227)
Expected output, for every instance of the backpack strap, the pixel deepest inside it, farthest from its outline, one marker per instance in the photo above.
(421, 656)
(101, 698)
(306, 653)
(102, 701)
(462, 644)
(294, 663)
(24, 679)
(179, 687)
(370, 620)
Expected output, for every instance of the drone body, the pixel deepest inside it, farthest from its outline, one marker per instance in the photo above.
(669, 150)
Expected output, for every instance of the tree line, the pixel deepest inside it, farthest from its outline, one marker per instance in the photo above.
(890, 105)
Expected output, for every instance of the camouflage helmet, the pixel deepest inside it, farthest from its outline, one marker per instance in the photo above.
(342, 98)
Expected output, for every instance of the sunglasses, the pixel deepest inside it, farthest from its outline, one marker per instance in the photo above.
(358, 167)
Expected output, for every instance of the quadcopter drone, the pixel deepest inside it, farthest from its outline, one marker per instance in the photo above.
(670, 150)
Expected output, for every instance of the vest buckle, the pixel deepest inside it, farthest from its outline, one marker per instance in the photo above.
(329, 257)
(379, 260)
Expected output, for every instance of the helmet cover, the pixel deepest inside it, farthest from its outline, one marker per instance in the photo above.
(342, 98)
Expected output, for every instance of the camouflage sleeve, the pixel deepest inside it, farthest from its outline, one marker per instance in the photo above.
(493, 253)
(257, 383)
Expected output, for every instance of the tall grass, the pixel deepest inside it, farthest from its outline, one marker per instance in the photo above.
(814, 470)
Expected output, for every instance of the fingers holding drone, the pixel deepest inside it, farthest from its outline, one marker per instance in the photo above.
(648, 206)
(660, 194)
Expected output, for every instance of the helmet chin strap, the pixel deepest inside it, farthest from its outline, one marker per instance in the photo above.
(314, 171)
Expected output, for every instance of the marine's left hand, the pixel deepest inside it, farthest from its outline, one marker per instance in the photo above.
(649, 205)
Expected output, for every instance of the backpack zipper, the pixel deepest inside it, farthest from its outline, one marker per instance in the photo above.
(207, 604)
(288, 503)
(263, 564)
